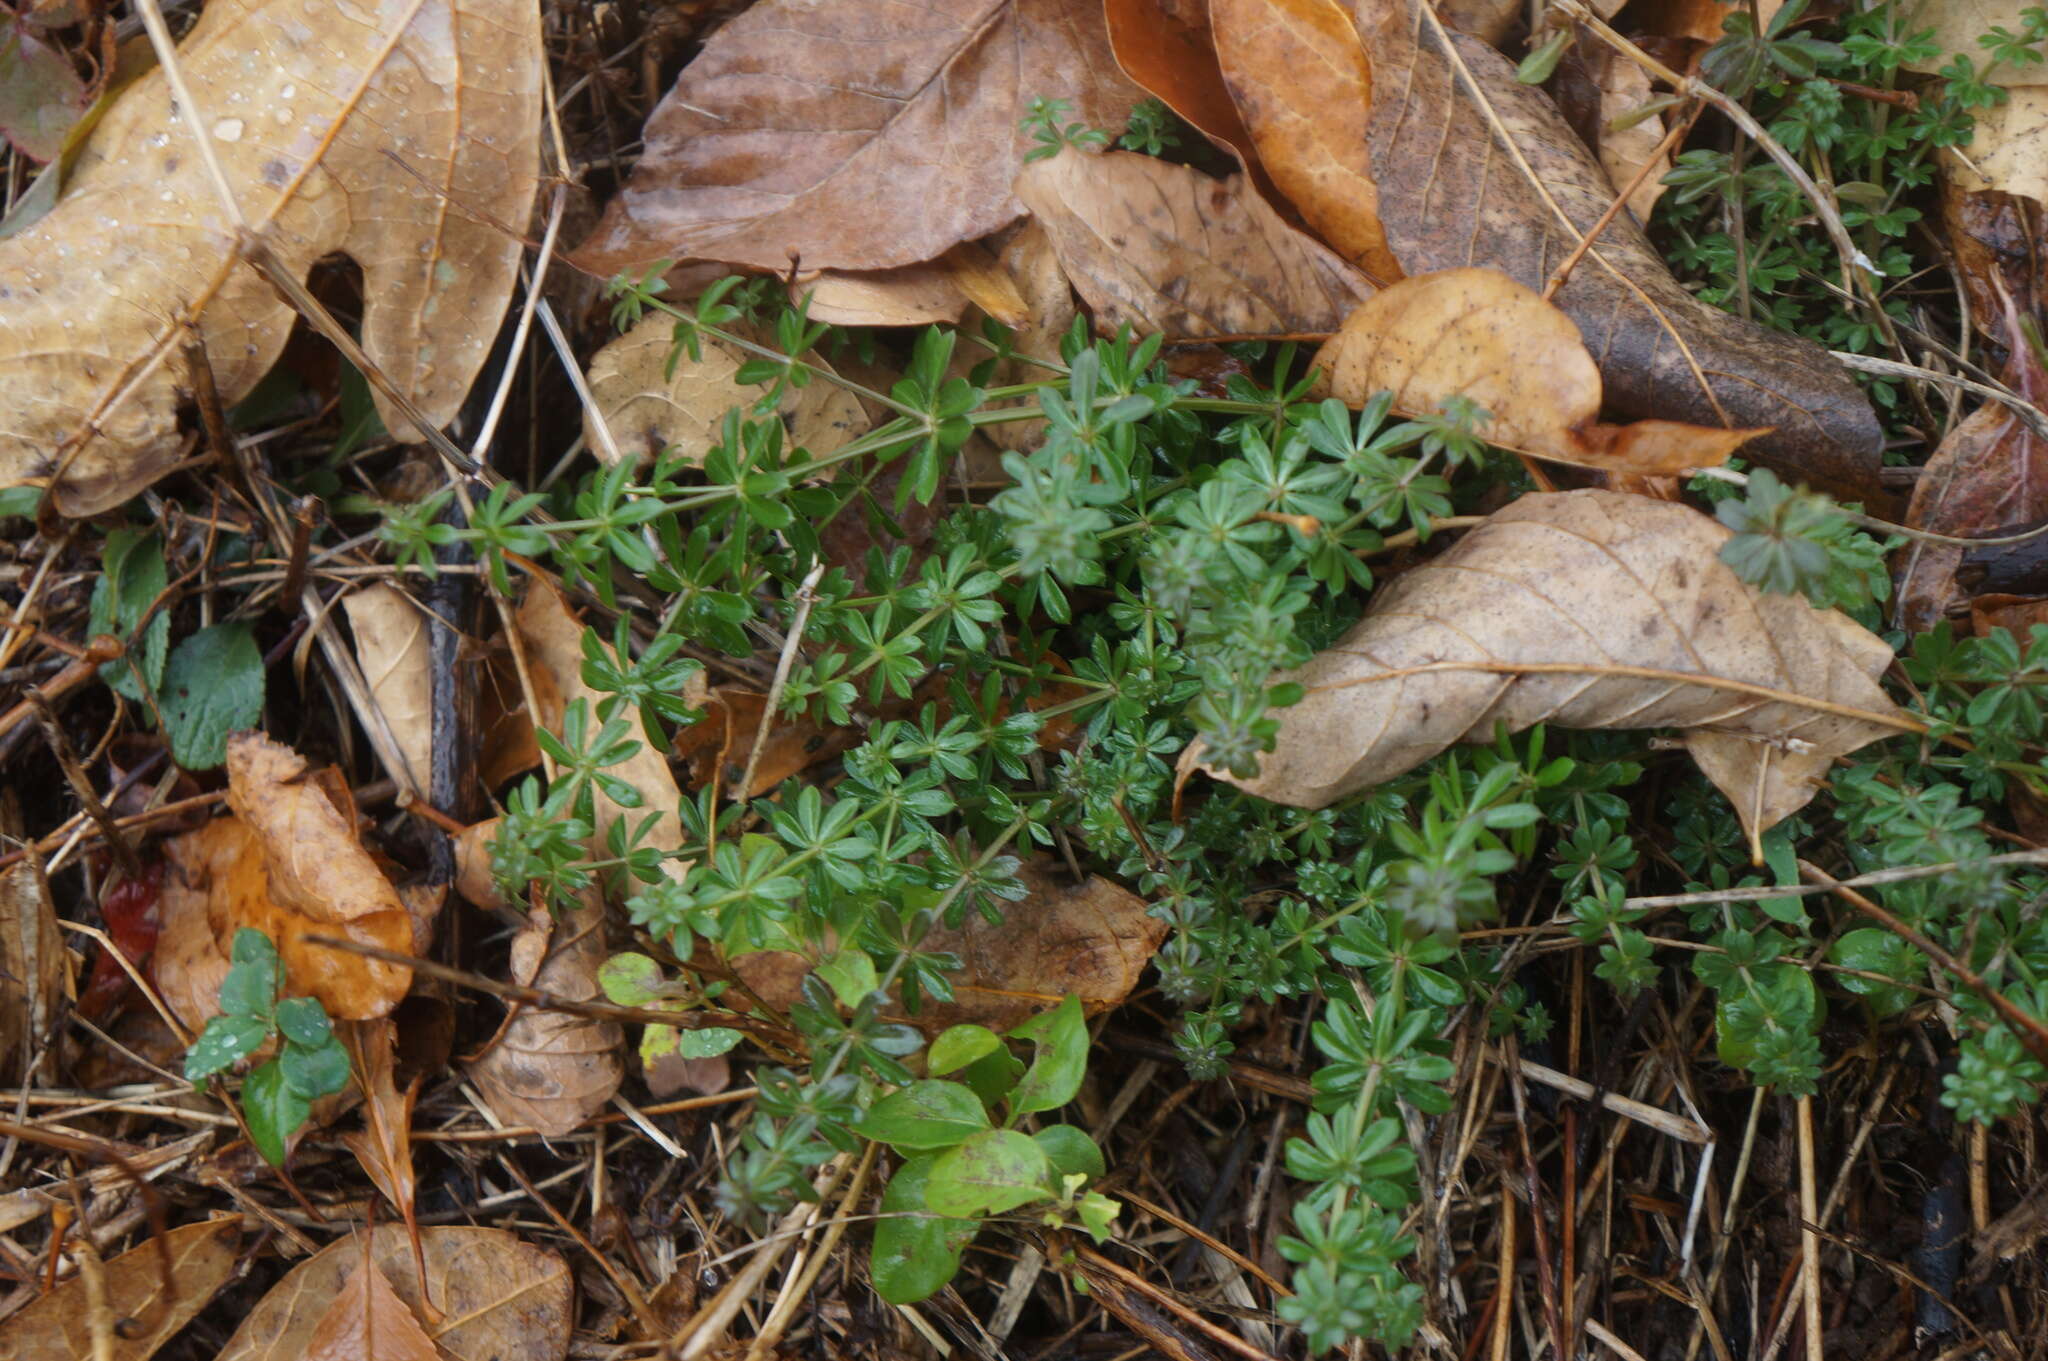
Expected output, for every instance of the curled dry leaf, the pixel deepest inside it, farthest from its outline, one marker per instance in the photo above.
(1091, 939)
(304, 102)
(1166, 248)
(397, 661)
(384, 1145)
(1169, 48)
(923, 294)
(1300, 77)
(35, 972)
(288, 864)
(368, 1322)
(202, 1260)
(497, 1299)
(1479, 334)
(1474, 168)
(1586, 609)
(648, 409)
(855, 134)
(552, 1069)
(1628, 138)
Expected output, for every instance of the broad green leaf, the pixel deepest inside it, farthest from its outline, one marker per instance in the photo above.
(250, 989)
(226, 1041)
(631, 980)
(959, 1046)
(316, 1071)
(995, 1171)
(992, 1075)
(212, 686)
(916, 1252)
(1876, 950)
(304, 1021)
(851, 975)
(133, 575)
(251, 946)
(926, 1114)
(707, 1042)
(1061, 1036)
(1071, 1150)
(1097, 1213)
(274, 1111)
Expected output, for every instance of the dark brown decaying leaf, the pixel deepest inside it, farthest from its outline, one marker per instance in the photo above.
(1586, 609)
(859, 134)
(498, 1299)
(1478, 334)
(368, 1322)
(59, 1325)
(34, 971)
(1455, 191)
(551, 1069)
(1091, 939)
(94, 289)
(1166, 248)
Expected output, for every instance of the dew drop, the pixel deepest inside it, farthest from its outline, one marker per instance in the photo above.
(228, 130)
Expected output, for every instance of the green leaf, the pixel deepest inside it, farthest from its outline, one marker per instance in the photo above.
(250, 989)
(1071, 1150)
(1097, 1212)
(851, 974)
(304, 1021)
(316, 1071)
(916, 1252)
(274, 1111)
(251, 946)
(1061, 1037)
(992, 1076)
(1783, 861)
(133, 576)
(959, 1046)
(707, 1042)
(632, 980)
(926, 1114)
(226, 1041)
(41, 94)
(1876, 950)
(212, 687)
(995, 1171)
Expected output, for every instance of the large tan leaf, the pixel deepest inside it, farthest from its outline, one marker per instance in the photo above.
(396, 657)
(2008, 151)
(393, 134)
(1498, 178)
(1586, 609)
(1477, 333)
(1300, 78)
(138, 1317)
(368, 1322)
(855, 134)
(1092, 939)
(496, 1298)
(1957, 25)
(1166, 248)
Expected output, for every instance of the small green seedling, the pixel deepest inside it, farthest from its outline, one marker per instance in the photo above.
(310, 1063)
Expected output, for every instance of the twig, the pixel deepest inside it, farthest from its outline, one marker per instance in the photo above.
(1672, 137)
(81, 784)
(1892, 876)
(1809, 1231)
(805, 598)
(1660, 1120)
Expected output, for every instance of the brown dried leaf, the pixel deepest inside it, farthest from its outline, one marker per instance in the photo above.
(1957, 25)
(1035, 267)
(92, 292)
(1454, 191)
(1091, 939)
(35, 973)
(384, 1145)
(59, 1324)
(1300, 77)
(368, 1322)
(498, 1299)
(2009, 149)
(1624, 90)
(551, 1069)
(855, 134)
(1479, 334)
(648, 409)
(1165, 248)
(1699, 20)
(397, 660)
(318, 880)
(1169, 48)
(923, 294)
(1586, 609)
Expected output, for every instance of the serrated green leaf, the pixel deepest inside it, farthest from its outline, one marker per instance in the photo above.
(212, 686)
(995, 1171)
(916, 1252)
(274, 1111)
(1061, 1037)
(927, 1114)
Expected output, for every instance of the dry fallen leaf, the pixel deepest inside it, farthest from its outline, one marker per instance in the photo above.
(1034, 265)
(384, 1145)
(1628, 138)
(553, 1069)
(1699, 20)
(854, 134)
(1091, 939)
(1166, 248)
(648, 409)
(35, 972)
(396, 657)
(498, 1299)
(308, 105)
(1477, 333)
(1586, 609)
(368, 1322)
(1169, 48)
(1957, 25)
(2009, 149)
(1301, 80)
(923, 294)
(59, 1324)
(1466, 183)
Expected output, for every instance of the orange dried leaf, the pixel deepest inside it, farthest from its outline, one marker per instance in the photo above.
(368, 1322)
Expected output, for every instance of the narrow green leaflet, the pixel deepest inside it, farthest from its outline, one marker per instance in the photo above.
(927, 1114)
(916, 1252)
(995, 1171)
(1061, 1036)
(212, 686)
